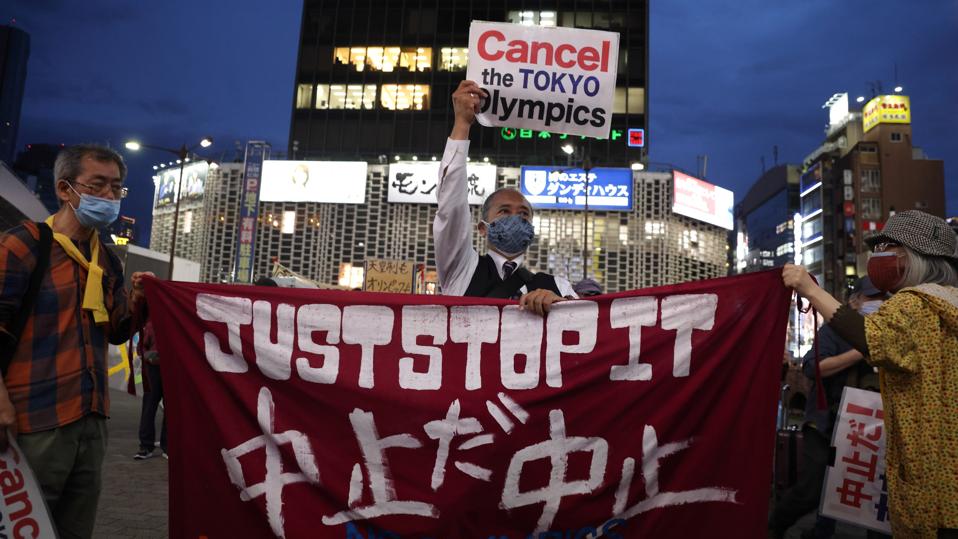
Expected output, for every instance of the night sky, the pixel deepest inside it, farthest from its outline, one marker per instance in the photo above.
(728, 79)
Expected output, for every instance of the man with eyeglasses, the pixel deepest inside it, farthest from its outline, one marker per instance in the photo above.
(62, 303)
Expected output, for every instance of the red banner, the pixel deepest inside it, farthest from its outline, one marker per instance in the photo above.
(311, 413)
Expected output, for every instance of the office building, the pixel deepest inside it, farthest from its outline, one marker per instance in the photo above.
(14, 53)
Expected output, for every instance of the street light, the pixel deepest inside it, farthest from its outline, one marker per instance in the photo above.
(182, 154)
(898, 89)
(859, 99)
(638, 166)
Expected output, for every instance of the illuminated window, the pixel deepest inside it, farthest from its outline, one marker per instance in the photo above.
(384, 58)
(533, 18)
(342, 96)
(635, 98)
(304, 95)
(188, 222)
(453, 58)
(405, 96)
(871, 180)
(871, 208)
(289, 222)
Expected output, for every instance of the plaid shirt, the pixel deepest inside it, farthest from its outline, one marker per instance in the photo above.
(59, 371)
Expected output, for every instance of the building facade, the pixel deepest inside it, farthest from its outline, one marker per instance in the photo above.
(649, 245)
(14, 53)
(866, 169)
(764, 221)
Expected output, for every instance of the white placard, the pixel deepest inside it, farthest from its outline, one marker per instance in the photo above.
(23, 512)
(560, 80)
(701, 200)
(418, 182)
(314, 181)
(855, 490)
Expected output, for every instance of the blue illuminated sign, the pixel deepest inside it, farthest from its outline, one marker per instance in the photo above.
(556, 188)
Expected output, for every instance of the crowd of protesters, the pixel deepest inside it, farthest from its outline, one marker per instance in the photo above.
(63, 302)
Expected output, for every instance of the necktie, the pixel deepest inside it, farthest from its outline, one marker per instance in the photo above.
(507, 269)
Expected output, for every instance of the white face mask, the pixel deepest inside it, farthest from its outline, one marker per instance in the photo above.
(868, 307)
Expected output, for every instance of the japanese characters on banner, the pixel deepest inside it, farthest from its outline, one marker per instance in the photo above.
(856, 490)
(315, 413)
(609, 189)
(249, 210)
(886, 109)
(23, 513)
(389, 276)
(419, 182)
(551, 79)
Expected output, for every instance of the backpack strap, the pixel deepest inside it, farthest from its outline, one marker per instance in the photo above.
(29, 298)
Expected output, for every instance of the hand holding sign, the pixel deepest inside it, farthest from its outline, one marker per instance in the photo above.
(466, 102)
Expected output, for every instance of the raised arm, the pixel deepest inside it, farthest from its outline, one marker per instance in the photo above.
(452, 228)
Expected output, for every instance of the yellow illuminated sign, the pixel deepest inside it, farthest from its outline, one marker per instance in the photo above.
(886, 109)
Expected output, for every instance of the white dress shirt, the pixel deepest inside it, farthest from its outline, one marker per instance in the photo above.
(456, 258)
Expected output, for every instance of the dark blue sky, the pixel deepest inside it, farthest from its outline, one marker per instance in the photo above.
(728, 79)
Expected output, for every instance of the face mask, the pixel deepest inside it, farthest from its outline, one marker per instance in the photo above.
(870, 307)
(884, 271)
(96, 212)
(510, 235)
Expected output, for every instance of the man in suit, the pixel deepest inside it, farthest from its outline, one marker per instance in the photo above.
(506, 225)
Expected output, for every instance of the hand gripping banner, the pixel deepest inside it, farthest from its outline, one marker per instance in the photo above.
(314, 413)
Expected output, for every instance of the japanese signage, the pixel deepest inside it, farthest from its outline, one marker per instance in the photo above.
(701, 200)
(886, 109)
(609, 189)
(856, 489)
(511, 133)
(166, 181)
(342, 182)
(389, 276)
(249, 210)
(636, 138)
(418, 182)
(551, 79)
(314, 413)
(23, 512)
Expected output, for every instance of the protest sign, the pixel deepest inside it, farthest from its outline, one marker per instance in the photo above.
(550, 79)
(856, 490)
(23, 513)
(314, 413)
(388, 276)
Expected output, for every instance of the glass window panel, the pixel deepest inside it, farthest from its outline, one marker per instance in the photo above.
(532, 18)
(342, 96)
(304, 94)
(385, 59)
(405, 96)
(628, 101)
(322, 96)
(453, 58)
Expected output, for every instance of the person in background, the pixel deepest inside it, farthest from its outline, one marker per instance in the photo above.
(913, 340)
(152, 395)
(587, 288)
(54, 396)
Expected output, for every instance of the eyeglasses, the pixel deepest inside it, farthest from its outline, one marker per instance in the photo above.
(885, 246)
(101, 189)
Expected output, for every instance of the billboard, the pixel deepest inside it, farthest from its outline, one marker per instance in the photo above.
(886, 109)
(701, 200)
(554, 188)
(341, 182)
(194, 181)
(418, 182)
(256, 153)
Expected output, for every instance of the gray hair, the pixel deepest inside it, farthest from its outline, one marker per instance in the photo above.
(68, 164)
(923, 269)
(487, 203)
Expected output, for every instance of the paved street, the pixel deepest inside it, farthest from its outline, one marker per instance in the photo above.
(134, 499)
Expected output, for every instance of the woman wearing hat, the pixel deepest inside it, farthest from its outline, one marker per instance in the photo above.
(913, 339)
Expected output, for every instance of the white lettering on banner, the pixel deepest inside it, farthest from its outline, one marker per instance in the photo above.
(521, 337)
(557, 449)
(275, 479)
(444, 431)
(633, 313)
(684, 313)
(581, 317)
(424, 320)
(367, 326)
(273, 358)
(474, 325)
(312, 319)
(234, 312)
(380, 479)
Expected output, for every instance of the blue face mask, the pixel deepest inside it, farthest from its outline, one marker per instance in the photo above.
(96, 212)
(510, 235)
